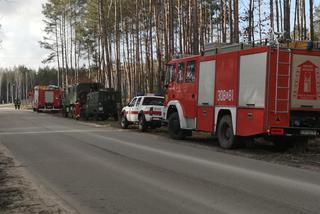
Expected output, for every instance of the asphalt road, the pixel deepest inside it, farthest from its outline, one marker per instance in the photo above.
(108, 170)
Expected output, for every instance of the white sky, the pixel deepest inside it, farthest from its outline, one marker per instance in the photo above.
(21, 32)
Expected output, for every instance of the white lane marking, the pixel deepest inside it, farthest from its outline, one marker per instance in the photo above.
(262, 176)
(55, 131)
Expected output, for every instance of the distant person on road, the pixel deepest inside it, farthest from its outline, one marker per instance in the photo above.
(77, 110)
(18, 103)
(15, 104)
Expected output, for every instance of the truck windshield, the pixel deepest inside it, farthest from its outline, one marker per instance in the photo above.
(154, 101)
(107, 97)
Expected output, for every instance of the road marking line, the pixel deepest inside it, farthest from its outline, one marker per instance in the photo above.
(54, 132)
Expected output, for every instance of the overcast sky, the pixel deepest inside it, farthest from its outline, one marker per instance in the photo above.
(21, 32)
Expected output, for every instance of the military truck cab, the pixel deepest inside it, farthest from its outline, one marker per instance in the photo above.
(102, 104)
(77, 92)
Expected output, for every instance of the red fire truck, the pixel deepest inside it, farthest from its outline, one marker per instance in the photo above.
(46, 98)
(237, 92)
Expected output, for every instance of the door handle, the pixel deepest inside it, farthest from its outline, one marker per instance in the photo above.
(193, 96)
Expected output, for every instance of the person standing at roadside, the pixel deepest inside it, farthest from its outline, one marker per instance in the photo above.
(15, 104)
(77, 110)
(18, 103)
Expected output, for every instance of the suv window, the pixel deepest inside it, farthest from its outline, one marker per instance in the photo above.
(139, 100)
(154, 101)
(132, 102)
(180, 72)
(191, 71)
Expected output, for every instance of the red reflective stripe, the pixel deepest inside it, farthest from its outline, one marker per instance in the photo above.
(277, 131)
(133, 112)
(152, 112)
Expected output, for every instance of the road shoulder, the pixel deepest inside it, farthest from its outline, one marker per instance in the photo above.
(21, 193)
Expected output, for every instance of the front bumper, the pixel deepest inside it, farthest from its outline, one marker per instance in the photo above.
(295, 131)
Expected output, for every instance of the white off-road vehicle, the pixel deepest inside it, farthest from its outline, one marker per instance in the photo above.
(146, 111)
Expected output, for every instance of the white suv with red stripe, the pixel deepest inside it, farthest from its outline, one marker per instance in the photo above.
(146, 111)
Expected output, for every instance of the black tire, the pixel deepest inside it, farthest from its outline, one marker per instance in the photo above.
(174, 129)
(142, 123)
(226, 137)
(124, 122)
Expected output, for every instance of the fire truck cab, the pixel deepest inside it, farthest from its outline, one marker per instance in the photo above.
(237, 92)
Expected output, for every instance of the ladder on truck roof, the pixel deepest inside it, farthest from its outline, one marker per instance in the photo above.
(283, 81)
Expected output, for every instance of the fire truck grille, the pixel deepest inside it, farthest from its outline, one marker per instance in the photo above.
(305, 119)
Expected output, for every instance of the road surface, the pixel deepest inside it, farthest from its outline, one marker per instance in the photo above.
(108, 170)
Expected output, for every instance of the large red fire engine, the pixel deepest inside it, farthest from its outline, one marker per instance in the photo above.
(46, 98)
(237, 92)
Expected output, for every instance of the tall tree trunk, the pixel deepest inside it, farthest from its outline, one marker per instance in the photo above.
(311, 20)
(151, 46)
(230, 22)
(236, 20)
(277, 15)
(195, 36)
(250, 12)
(286, 13)
(271, 15)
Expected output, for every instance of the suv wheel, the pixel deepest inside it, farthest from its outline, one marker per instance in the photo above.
(174, 129)
(124, 122)
(142, 123)
(226, 137)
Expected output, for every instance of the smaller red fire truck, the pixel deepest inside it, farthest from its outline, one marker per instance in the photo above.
(46, 98)
(237, 92)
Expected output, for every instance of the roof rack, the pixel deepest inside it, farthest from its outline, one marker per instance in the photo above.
(217, 48)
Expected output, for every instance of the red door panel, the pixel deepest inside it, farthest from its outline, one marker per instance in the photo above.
(205, 118)
(250, 122)
(227, 79)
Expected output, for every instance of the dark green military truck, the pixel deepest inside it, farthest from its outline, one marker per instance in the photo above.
(102, 104)
(77, 92)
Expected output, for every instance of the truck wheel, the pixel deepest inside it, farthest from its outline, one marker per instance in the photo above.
(142, 123)
(174, 129)
(124, 122)
(226, 137)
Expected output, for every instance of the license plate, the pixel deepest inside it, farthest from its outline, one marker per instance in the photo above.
(308, 132)
(156, 118)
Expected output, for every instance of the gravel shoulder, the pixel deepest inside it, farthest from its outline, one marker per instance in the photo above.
(20, 193)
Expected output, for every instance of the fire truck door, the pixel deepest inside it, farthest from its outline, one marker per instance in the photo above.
(189, 90)
(206, 96)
